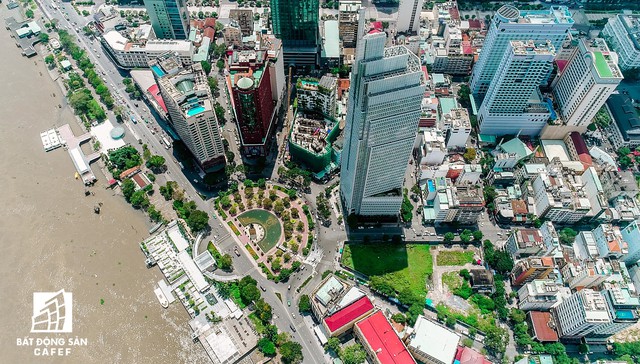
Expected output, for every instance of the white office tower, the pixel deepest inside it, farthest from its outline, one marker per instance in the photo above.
(387, 85)
(187, 97)
(514, 104)
(586, 82)
(581, 314)
(510, 24)
(409, 16)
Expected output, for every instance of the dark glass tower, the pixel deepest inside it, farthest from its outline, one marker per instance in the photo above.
(295, 22)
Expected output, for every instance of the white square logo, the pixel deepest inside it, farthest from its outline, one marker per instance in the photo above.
(52, 312)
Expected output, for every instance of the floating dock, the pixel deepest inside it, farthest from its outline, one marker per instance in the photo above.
(51, 140)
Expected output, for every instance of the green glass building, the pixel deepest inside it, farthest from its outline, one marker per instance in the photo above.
(295, 22)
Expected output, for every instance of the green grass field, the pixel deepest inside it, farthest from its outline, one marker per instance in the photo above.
(403, 265)
(270, 223)
(448, 257)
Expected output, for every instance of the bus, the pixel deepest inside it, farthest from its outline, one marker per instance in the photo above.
(166, 143)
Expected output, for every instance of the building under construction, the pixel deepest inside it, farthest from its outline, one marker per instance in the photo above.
(312, 142)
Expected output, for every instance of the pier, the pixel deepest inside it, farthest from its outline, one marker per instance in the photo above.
(80, 161)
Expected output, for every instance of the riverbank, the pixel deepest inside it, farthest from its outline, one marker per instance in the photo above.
(52, 240)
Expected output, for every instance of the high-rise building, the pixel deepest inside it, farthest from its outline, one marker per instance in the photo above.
(188, 99)
(631, 234)
(348, 22)
(169, 18)
(409, 16)
(586, 82)
(623, 32)
(581, 314)
(256, 81)
(511, 24)
(295, 22)
(387, 85)
(514, 104)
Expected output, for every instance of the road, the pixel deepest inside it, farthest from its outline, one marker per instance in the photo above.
(220, 233)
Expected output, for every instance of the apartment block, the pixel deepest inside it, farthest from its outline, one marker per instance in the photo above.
(513, 104)
(190, 105)
(622, 32)
(541, 295)
(585, 83)
(581, 314)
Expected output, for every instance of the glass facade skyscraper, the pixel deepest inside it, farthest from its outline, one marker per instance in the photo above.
(295, 22)
(169, 18)
(387, 86)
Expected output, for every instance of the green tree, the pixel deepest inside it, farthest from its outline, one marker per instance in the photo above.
(249, 293)
(29, 13)
(220, 64)
(128, 188)
(43, 37)
(267, 347)
(466, 236)
(448, 237)
(469, 155)
(206, 67)
(304, 305)
(198, 220)
(225, 262)
(517, 316)
(381, 285)
(139, 199)
(213, 85)
(477, 235)
(263, 310)
(463, 96)
(333, 344)
(353, 354)
(156, 162)
(49, 59)
(291, 352)
(567, 236)
(399, 318)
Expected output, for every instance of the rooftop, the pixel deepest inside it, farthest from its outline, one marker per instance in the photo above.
(543, 326)
(625, 116)
(349, 314)
(383, 340)
(434, 340)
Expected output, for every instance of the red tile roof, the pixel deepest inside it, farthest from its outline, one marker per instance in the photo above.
(578, 142)
(469, 356)
(155, 92)
(540, 321)
(137, 178)
(348, 314)
(383, 340)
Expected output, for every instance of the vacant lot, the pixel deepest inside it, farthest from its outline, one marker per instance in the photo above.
(452, 257)
(402, 265)
(452, 280)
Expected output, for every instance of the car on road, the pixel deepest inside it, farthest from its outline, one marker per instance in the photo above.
(263, 289)
(288, 302)
(293, 328)
(236, 251)
(289, 288)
